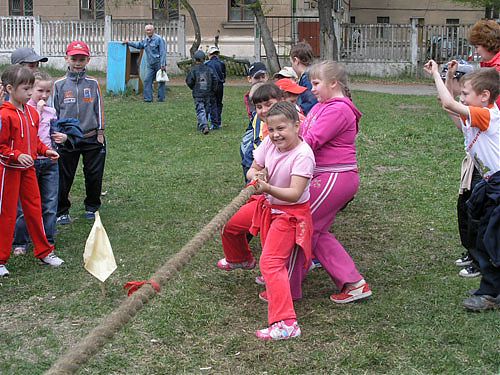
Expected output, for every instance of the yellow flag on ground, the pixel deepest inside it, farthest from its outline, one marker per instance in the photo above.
(98, 256)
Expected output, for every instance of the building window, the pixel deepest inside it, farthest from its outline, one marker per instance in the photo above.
(382, 32)
(92, 9)
(238, 11)
(310, 4)
(452, 30)
(21, 7)
(382, 19)
(165, 9)
(353, 19)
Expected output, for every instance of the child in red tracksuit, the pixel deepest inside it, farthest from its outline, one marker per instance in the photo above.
(282, 168)
(19, 147)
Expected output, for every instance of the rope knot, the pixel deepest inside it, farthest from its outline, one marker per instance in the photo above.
(133, 286)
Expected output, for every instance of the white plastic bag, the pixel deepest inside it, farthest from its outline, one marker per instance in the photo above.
(161, 76)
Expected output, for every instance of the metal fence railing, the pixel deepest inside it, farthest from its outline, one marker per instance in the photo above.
(445, 42)
(375, 42)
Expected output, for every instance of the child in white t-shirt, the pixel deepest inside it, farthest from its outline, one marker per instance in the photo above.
(479, 118)
(282, 168)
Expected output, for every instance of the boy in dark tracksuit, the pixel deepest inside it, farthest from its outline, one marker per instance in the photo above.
(202, 81)
(78, 96)
(219, 68)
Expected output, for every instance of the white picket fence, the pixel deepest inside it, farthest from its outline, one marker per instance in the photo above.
(50, 37)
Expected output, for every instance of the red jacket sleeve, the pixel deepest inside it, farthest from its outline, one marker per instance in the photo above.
(6, 153)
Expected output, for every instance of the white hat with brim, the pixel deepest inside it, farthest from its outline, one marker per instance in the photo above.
(213, 49)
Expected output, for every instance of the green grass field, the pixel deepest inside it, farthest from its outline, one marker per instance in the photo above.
(164, 182)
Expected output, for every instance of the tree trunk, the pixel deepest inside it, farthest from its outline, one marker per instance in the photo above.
(327, 32)
(196, 27)
(267, 38)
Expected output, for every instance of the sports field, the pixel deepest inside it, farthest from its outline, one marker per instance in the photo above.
(164, 182)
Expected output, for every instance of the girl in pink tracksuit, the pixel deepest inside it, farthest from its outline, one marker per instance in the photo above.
(330, 128)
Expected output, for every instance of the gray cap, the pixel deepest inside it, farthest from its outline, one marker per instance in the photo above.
(463, 68)
(26, 55)
(199, 55)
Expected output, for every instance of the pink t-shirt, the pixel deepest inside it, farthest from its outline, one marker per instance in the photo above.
(281, 166)
(48, 114)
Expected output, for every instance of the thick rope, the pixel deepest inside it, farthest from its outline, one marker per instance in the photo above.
(90, 345)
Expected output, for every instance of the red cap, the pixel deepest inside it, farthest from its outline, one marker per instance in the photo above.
(77, 48)
(288, 85)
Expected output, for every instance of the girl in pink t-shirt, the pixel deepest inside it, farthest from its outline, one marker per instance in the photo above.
(330, 128)
(282, 168)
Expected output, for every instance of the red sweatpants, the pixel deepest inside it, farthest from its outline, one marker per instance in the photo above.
(280, 242)
(21, 184)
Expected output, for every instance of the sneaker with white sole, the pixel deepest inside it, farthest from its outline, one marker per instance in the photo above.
(260, 280)
(223, 264)
(64, 220)
(4, 272)
(351, 293)
(279, 331)
(315, 264)
(52, 260)
(19, 250)
(469, 271)
(464, 260)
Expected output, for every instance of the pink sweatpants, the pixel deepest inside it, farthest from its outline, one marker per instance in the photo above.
(276, 252)
(329, 193)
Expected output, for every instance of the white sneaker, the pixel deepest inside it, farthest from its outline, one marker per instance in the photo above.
(279, 331)
(4, 272)
(469, 271)
(464, 261)
(52, 260)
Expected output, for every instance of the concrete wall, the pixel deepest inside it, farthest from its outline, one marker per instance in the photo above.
(400, 11)
(56, 9)
(139, 9)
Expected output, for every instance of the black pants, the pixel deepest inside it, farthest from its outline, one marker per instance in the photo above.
(490, 275)
(94, 156)
(483, 202)
(467, 233)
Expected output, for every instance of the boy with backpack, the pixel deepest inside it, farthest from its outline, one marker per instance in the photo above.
(202, 81)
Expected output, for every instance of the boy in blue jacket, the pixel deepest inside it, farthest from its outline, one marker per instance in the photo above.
(202, 81)
(219, 69)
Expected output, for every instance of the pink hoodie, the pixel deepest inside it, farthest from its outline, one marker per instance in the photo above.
(330, 128)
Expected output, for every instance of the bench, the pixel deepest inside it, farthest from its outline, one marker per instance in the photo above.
(234, 67)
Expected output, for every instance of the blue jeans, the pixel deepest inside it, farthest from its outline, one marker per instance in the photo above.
(148, 83)
(47, 172)
(202, 107)
(216, 107)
